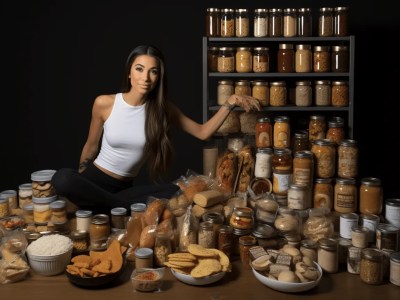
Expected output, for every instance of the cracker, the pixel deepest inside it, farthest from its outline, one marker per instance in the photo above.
(206, 267)
(81, 259)
(180, 264)
(223, 260)
(185, 271)
(199, 250)
(182, 255)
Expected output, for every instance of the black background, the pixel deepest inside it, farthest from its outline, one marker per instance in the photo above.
(57, 56)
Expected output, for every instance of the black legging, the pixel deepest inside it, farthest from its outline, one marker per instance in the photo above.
(95, 190)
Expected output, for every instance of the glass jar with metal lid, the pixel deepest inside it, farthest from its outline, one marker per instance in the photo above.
(303, 58)
(323, 193)
(341, 24)
(260, 91)
(263, 133)
(328, 255)
(309, 248)
(345, 195)
(242, 22)
(224, 91)
(394, 276)
(260, 59)
(340, 93)
(80, 241)
(387, 237)
(287, 221)
(325, 24)
(300, 141)
(225, 240)
(340, 59)
(244, 60)
(227, 22)
(212, 59)
(316, 128)
(322, 92)
(289, 22)
(321, 59)
(335, 131)
(371, 266)
(303, 168)
(347, 159)
(24, 194)
(118, 218)
(206, 235)
(286, 58)
(58, 212)
(226, 60)
(304, 22)
(263, 165)
(282, 170)
(260, 22)
(370, 221)
(281, 132)
(213, 22)
(303, 93)
(242, 87)
(216, 219)
(99, 231)
(298, 196)
(359, 236)
(371, 196)
(275, 24)
(265, 234)
(245, 243)
(325, 158)
(392, 211)
(83, 220)
(278, 93)
(242, 218)
(42, 210)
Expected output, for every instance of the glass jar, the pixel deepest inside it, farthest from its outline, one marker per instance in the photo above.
(213, 22)
(359, 236)
(345, 195)
(80, 241)
(42, 210)
(335, 131)
(99, 231)
(118, 218)
(137, 210)
(206, 235)
(225, 240)
(24, 194)
(323, 193)
(304, 22)
(244, 60)
(216, 219)
(340, 93)
(41, 184)
(282, 171)
(303, 168)
(303, 58)
(260, 91)
(371, 266)
(162, 248)
(371, 196)
(322, 92)
(394, 276)
(392, 211)
(325, 158)
(340, 59)
(303, 93)
(242, 23)
(287, 222)
(278, 93)
(27, 213)
(242, 218)
(227, 22)
(260, 22)
(298, 196)
(371, 222)
(11, 196)
(261, 59)
(289, 22)
(245, 243)
(242, 87)
(286, 58)
(83, 220)
(325, 25)
(143, 258)
(263, 165)
(387, 237)
(58, 212)
(226, 60)
(341, 21)
(328, 255)
(300, 141)
(212, 59)
(347, 159)
(353, 260)
(275, 24)
(235, 143)
(309, 248)
(225, 90)
(263, 133)
(281, 132)
(347, 222)
(316, 128)
(321, 59)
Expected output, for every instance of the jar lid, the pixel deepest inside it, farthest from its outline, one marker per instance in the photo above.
(43, 175)
(118, 211)
(83, 213)
(58, 204)
(285, 46)
(281, 119)
(298, 187)
(229, 82)
(239, 10)
(328, 244)
(282, 151)
(278, 83)
(304, 9)
(301, 134)
(207, 225)
(28, 207)
(76, 234)
(304, 154)
(3, 198)
(225, 229)
(323, 142)
(370, 217)
(303, 47)
(372, 254)
(9, 193)
(323, 180)
(393, 201)
(259, 82)
(303, 82)
(275, 10)
(240, 232)
(264, 231)
(261, 49)
(371, 181)
(340, 83)
(323, 82)
(143, 252)
(243, 48)
(259, 10)
(289, 10)
(100, 219)
(339, 48)
(309, 244)
(348, 143)
(325, 9)
(25, 186)
(335, 124)
(317, 117)
(212, 9)
(264, 120)
(345, 180)
(265, 150)
(352, 216)
(360, 229)
(243, 211)
(138, 207)
(214, 217)
(242, 82)
(322, 48)
(395, 256)
(247, 240)
(226, 49)
(341, 8)
(44, 200)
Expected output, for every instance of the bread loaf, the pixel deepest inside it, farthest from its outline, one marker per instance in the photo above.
(154, 211)
(246, 171)
(198, 211)
(148, 237)
(226, 172)
(208, 198)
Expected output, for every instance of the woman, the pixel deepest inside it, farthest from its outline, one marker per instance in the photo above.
(135, 129)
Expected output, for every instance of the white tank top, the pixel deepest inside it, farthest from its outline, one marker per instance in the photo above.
(123, 139)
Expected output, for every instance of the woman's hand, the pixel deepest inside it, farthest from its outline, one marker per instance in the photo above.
(248, 103)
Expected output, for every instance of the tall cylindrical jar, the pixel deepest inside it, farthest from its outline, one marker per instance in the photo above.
(4, 209)
(225, 240)
(260, 91)
(263, 133)
(260, 22)
(213, 22)
(24, 194)
(281, 132)
(206, 235)
(335, 131)
(226, 60)
(303, 58)
(328, 255)
(286, 58)
(275, 25)
(83, 220)
(316, 128)
(340, 59)
(371, 266)
(341, 21)
(325, 158)
(227, 22)
(99, 231)
(118, 218)
(42, 210)
(298, 196)
(303, 93)
(12, 198)
(323, 193)
(392, 211)
(300, 141)
(263, 164)
(347, 159)
(304, 22)
(303, 168)
(224, 90)
(322, 92)
(260, 59)
(325, 24)
(345, 195)
(309, 248)
(278, 93)
(212, 59)
(282, 171)
(242, 22)
(371, 222)
(137, 210)
(371, 196)
(289, 22)
(244, 60)
(321, 59)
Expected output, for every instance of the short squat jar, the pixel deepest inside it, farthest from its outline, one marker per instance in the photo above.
(345, 195)
(335, 131)
(260, 59)
(242, 87)
(328, 255)
(371, 196)
(224, 90)
(322, 92)
(321, 59)
(260, 91)
(371, 266)
(226, 60)
(300, 141)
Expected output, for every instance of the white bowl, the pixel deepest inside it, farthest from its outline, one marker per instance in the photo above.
(198, 281)
(288, 287)
(49, 265)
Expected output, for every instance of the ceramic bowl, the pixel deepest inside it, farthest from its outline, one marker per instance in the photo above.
(198, 281)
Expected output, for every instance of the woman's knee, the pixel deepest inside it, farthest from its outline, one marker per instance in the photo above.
(62, 180)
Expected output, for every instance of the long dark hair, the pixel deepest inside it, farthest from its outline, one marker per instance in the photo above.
(158, 150)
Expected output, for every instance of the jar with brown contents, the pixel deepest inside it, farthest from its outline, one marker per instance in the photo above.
(260, 91)
(289, 22)
(213, 22)
(325, 25)
(80, 241)
(371, 196)
(323, 193)
(212, 59)
(227, 22)
(341, 18)
(325, 158)
(322, 92)
(345, 195)
(285, 60)
(347, 159)
(242, 218)
(261, 59)
(321, 59)
(278, 93)
(281, 132)
(225, 240)
(340, 59)
(244, 60)
(303, 168)
(340, 93)
(371, 266)
(242, 22)
(99, 231)
(242, 87)
(282, 171)
(226, 60)
(316, 128)
(263, 133)
(4, 210)
(245, 243)
(275, 26)
(303, 59)
(335, 131)
(300, 141)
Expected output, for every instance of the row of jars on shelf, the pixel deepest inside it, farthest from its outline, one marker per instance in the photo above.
(276, 22)
(257, 59)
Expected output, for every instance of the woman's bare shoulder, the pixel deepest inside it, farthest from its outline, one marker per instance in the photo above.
(104, 101)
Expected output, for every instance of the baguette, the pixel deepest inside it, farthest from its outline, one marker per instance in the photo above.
(208, 198)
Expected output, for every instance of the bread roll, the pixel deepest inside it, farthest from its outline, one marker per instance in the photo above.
(153, 212)
(208, 198)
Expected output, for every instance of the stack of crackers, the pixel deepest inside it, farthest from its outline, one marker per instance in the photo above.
(199, 262)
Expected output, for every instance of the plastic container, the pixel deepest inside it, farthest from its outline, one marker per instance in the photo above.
(83, 220)
(41, 184)
(24, 194)
(42, 209)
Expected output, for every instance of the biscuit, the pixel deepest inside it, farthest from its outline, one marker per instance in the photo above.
(206, 267)
(199, 250)
(182, 256)
(180, 264)
(223, 260)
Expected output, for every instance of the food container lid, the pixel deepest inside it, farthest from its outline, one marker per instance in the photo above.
(264, 231)
(118, 211)
(58, 204)
(44, 200)
(77, 234)
(43, 175)
(393, 202)
(28, 207)
(83, 213)
(25, 186)
(9, 193)
(100, 219)
(143, 252)
(395, 256)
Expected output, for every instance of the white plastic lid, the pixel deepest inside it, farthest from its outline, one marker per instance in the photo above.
(118, 211)
(43, 175)
(44, 200)
(58, 204)
(83, 213)
(25, 186)
(138, 207)
(143, 252)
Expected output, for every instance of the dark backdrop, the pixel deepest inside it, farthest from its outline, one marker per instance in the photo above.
(57, 56)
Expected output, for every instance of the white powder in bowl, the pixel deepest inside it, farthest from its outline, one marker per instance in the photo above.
(49, 245)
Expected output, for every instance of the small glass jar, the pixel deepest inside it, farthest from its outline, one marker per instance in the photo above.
(322, 92)
(225, 239)
(83, 220)
(245, 243)
(303, 169)
(353, 260)
(212, 59)
(58, 212)
(387, 237)
(27, 213)
(226, 60)
(216, 219)
(24, 194)
(347, 222)
(118, 218)
(371, 266)
(341, 21)
(316, 128)
(281, 132)
(309, 248)
(345, 195)
(99, 231)
(300, 141)
(242, 22)
(340, 93)
(275, 25)
(359, 236)
(225, 90)
(213, 22)
(244, 60)
(339, 59)
(303, 58)
(371, 222)
(328, 255)
(289, 22)
(371, 196)
(282, 170)
(321, 59)
(323, 193)
(143, 258)
(335, 131)
(42, 210)
(206, 235)
(303, 93)
(304, 22)
(325, 25)
(392, 211)
(41, 184)
(227, 22)
(263, 165)
(243, 88)
(261, 59)
(325, 158)
(394, 276)
(162, 248)
(260, 91)
(260, 22)
(347, 159)
(286, 58)
(80, 241)
(278, 93)
(287, 221)
(298, 196)
(137, 210)
(11, 196)
(242, 218)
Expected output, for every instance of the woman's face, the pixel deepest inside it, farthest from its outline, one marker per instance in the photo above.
(144, 74)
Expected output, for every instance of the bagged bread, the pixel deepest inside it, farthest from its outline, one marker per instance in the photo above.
(226, 172)
(208, 198)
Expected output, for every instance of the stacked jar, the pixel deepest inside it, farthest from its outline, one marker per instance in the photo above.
(281, 132)
(227, 22)
(41, 184)
(24, 194)
(282, 171)
(275, 25)
(42, 209)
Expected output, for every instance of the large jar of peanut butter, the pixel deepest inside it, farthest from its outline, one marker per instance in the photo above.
(371, 196)
(345, 195)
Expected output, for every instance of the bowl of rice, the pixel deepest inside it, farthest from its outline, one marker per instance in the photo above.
(50, 254)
